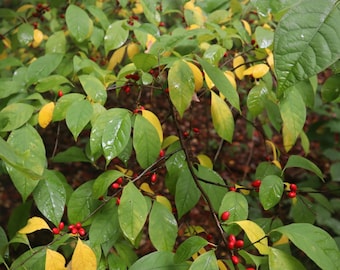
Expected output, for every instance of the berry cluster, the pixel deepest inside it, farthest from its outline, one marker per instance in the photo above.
(132, 19)
(40, 9)
(77, 229)
(234, 243)
(292, 193)
(57, 230)
(118, 183)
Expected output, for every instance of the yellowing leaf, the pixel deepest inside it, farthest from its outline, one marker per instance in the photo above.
(169, 140)
(146, 188)
(132, 50)
(272, 145)
(83, 257)
(127, 172)
(229, 75)
(164, 200)
(277, 164)
(198, 77)
(197, 13)
(242, 189)
(193, 230)
(282, 241)
(255, 234)
(205, 161)
(38, 37)
(54, 260)
(24, 8)
(150, 40)
(7, 43)
(116, 57)
(153, 119)
(270, 59)
(221, 265)
(34, 224)
(238, 65)
(247, 27)
(45, 114)
(192, 27)
(138, 8)
(257, 71)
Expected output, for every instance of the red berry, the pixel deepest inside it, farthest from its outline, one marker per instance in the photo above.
(161, 24)
(119, 180)
(162, 153)
(235, 259)
(74, 231)
(127, 89)
(250, 268)
(61, 225)
(291, 194)
(70, 227)
(253, 41)
(225, 215)
(232, 189)
(209, 237)
(232, 238)
(78, 225)
(256, 183)
(239, 243)
(231, 245)
(115, 185)
(60, 93)
(293, 187)
(196, 130)
(81, 231)
(118, 201)
(55, 231)
(154, 178)
(185, 134)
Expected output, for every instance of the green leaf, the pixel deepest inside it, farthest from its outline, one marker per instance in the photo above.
(187, 193)
(71, 154)
(301, 162)
(63, 104)
(236, 204)
(43, 66)
(15, 115)
(316, 243)
(150, 11)
(181, 85)
(146, 141)
(314, 31)
(99, 15)
(303, 210)
(32, 259)
(330, 90)
(215, 188)
(222, 117)
(116, 134)
(255, 99)
(222, 83)
(189, 247)
(3, 242)
(81, 204)
(78, 116)
(105, 225)
(281, 260)
(115, 37)
(79, 23)
(159, 260)
(266, 168)
(18, 218)
(271, 190)
(50, 197)
(214, 54)
(56, 43)
(206, 261)
(145, 61)
(264, 37)
(9, 87)
(51, 82)
(103, 181)
(94, 88)
(293, 113)
(25, 33)
(162, 227)
(132, 212)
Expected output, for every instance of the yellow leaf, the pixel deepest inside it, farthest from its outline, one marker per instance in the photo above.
(197, 13)
(132, 50)
(138, 9)
(193, 26)
(277, 164)
(7, 43)
(54, 260)
(242, 189)
(116, 57)
(238, 65)
(260, 70)
(38, 37)
(34, 224)
(267, 26)
(127, 172)
(150, 40)
(270, 59)
(221, 265)
(230, 76)
(247, 27)
(282, 241)
(169, 140)
(153, 119)
(146, 188)
(164, 200)
(205, 161)
(198, 77)
(25, 8)
(255, 234)
(193, 230)
(83, 257)
(273, 147)
(45, 114)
